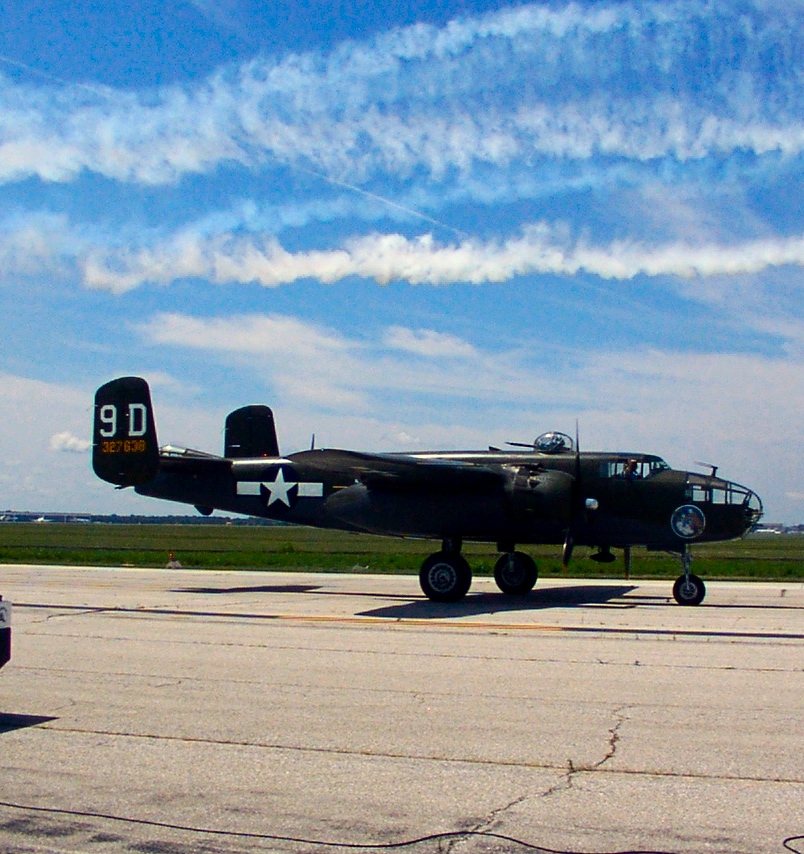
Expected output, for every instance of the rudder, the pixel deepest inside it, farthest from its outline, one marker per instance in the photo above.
(124, 445)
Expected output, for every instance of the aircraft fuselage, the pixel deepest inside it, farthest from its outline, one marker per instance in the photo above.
(529, 502)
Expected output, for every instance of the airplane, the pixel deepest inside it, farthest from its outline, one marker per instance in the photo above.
(547, 492)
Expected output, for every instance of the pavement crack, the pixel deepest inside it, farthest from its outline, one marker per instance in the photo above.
(565, 782)
(614, 736)
(487, 825)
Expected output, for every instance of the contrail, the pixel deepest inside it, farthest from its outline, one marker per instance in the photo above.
(54, 78)
(377, 198)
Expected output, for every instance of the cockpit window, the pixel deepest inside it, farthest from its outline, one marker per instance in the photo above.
(632, 468)
(722, 493)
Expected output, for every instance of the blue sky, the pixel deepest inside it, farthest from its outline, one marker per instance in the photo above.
(442, 226)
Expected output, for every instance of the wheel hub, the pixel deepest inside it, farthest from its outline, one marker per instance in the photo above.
(513, 572)
(443, 577)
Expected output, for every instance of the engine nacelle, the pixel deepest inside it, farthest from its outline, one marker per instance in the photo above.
(540, 496)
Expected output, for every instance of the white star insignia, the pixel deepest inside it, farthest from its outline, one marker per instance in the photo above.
(280, 489)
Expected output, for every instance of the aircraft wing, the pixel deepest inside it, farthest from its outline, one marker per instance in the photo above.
(405, 471)
(376, 471)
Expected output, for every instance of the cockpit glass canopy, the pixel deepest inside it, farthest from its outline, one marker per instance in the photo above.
(634, 468)
(701, 490)
(553, 443)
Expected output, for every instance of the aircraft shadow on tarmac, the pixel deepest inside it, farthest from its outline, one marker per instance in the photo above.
(472, 605)
(264, 588)
(495, 603)
(10, 722)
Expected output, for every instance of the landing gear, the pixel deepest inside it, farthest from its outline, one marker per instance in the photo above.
(688, 588)
(515, 573)
(446, 576)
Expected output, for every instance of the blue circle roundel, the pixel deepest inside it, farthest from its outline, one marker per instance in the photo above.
(688, 522)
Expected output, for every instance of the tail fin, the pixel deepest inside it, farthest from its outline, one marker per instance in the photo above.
(124, 445)
(250, 432)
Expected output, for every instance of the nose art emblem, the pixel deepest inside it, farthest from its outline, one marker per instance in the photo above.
(688, 522)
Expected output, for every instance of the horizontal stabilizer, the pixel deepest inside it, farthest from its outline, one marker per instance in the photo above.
(187, 461)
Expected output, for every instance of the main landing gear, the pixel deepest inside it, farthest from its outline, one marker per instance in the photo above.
(688, 588)
(446, 576)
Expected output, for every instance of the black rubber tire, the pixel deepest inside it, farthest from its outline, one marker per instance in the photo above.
(690, 592)
(516, 573)
(445, 577)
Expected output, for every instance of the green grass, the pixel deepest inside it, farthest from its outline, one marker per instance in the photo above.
(764, 557)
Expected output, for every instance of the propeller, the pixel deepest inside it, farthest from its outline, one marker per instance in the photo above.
(576, 509)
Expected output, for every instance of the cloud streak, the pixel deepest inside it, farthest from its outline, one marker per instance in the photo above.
(571, 83)
(539, 249)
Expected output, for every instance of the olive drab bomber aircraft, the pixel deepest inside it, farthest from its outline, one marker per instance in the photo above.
(548, 492)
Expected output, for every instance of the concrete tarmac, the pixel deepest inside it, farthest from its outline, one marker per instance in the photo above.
(177, 711)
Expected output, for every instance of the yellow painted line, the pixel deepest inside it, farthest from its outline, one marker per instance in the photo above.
(412, 621)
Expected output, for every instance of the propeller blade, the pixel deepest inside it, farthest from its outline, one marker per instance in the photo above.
(566, 555)
(576, 507)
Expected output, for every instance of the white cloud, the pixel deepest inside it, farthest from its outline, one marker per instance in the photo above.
(539, 249)
(274, 335)
(37, 243)
(304, 361)
(428, 343)
(420, 98)
(67, 442)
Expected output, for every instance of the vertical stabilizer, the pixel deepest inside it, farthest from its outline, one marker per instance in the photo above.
(250, 432)
(124, 446)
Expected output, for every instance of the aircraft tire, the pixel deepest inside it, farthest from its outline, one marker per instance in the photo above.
(515, 573)
(690, 592)
(445, 577)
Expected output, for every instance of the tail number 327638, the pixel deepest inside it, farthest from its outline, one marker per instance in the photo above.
(134, 422)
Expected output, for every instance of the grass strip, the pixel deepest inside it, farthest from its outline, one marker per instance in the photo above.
(277, 548)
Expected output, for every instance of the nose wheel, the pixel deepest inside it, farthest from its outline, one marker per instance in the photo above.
(688, 588)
